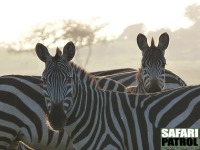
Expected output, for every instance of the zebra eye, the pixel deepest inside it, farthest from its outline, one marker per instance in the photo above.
(48, 104)
(163, 65)
(44, 80)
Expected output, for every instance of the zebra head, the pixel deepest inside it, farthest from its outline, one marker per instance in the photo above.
(57, 82)
(152, 71)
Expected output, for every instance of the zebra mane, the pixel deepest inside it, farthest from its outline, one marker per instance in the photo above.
(152, 42)
(57, 55)
(85, 75)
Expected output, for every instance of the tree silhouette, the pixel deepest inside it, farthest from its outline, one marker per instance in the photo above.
(52, 34)
(193, 12)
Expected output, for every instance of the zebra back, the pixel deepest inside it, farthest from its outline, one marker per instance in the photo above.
(111, 72)
(130, 79)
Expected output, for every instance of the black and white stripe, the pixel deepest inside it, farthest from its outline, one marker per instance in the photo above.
(22, 116)
(98, 119)
(111, 72)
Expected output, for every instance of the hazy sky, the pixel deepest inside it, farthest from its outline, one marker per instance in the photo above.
(18, 16)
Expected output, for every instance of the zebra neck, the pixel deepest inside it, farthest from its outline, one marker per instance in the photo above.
(83, 87)
(86, 101)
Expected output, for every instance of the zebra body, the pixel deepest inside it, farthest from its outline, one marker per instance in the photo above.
(98, 119)
(129, 79)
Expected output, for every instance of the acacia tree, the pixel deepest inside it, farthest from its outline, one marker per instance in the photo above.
(58, 33)
(193, 12)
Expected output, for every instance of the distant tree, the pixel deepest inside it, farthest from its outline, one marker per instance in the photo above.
(193, 12)
(131, 31)
(58, 33)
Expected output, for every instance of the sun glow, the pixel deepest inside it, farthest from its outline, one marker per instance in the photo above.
(18, 16)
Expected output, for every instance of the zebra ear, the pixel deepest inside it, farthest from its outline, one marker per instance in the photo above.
(42, 52)
(69, 51)
(163, 41)
(142, 42)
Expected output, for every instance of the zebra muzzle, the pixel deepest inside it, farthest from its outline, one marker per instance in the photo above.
(154, 87)
(57, 117)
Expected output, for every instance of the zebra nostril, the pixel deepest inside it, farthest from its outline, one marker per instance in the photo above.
(48, 104)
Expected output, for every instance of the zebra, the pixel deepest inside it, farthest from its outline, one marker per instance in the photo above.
(24, 94)
(100, 119)
(150, 77)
